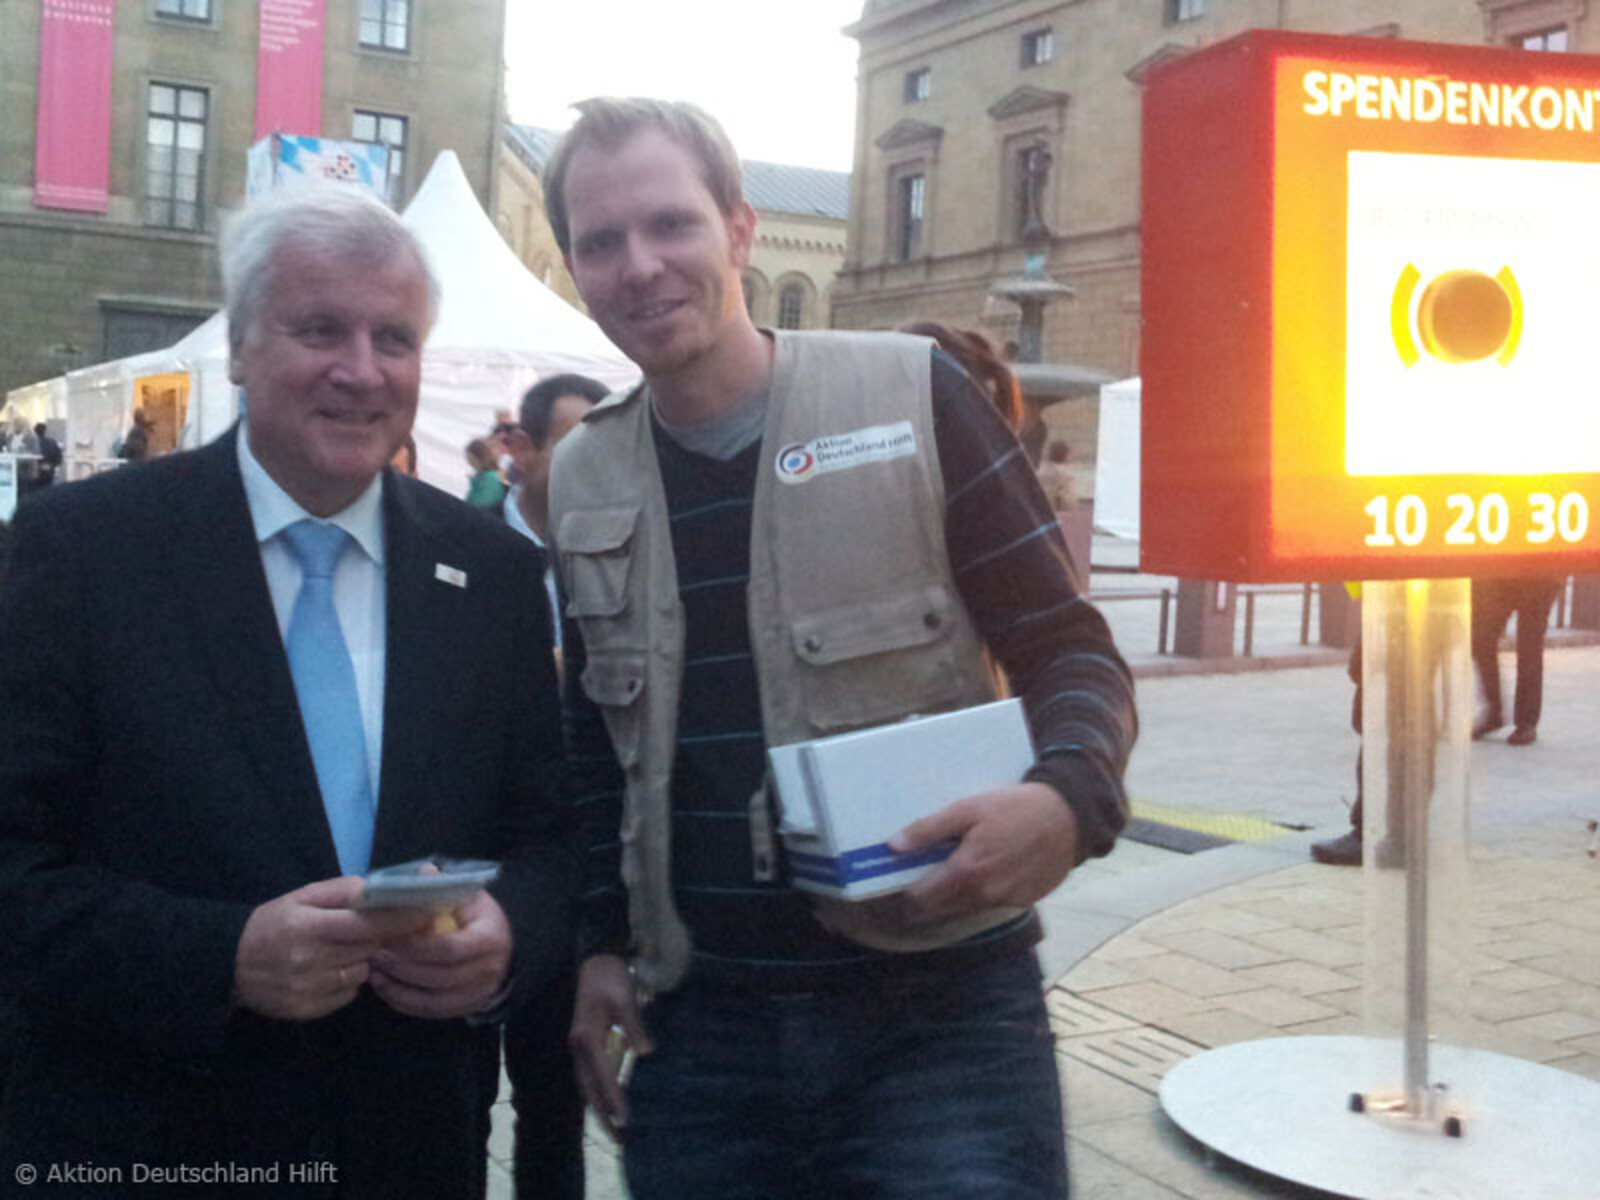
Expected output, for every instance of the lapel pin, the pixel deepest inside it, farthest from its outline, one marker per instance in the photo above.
(454, 576)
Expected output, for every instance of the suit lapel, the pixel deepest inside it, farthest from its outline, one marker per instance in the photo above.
(229, 611)
(418, 704)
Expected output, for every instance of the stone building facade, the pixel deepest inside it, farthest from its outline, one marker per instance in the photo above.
(964, 107)
(84, 287)
(520, 215)
(800, 230)
(800, 243)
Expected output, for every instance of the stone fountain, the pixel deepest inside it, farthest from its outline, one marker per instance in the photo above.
(1042, 383)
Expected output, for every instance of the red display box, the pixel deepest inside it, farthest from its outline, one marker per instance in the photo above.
(1371, 272)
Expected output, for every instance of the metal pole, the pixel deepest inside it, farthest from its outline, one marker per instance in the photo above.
(1249, 623)
(1414, 681)
(1417, 669)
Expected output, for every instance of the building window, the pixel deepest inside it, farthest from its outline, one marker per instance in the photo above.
(386, 24)
(175, 144)
(130, 328)
(1185, 10)
(910, 210)
(791, 306)
(919, 84)
(189, 10)
(1038, 47)
(386, 129)
(1544, 39)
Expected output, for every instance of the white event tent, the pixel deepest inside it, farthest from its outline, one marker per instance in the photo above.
(499, 330)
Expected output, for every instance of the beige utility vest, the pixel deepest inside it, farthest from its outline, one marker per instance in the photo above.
(855, 619)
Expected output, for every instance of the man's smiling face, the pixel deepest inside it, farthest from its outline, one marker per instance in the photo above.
(330, 370)
(655, 259)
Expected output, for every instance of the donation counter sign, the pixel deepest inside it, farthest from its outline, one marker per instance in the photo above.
(1368, 346)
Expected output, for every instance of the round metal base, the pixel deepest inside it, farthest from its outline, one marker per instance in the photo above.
(1283, 1107)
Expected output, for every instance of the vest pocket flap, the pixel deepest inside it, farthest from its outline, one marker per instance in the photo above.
(615, 682)
(597, 530)
(878, 626)
(596, 545)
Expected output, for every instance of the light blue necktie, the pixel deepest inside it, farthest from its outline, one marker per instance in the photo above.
(325, 682)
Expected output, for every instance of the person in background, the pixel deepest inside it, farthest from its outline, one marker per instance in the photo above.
(773, 536)
(976, 355)
(1493, 603)
(254, 672)
(504, 423)
(25, 445)
(405, 458)
(486, 489)
(1056, 478)
(1345, 850)
(136, 445)
(23, 439)
(547, 1152)
(49, 456)
(550, 410)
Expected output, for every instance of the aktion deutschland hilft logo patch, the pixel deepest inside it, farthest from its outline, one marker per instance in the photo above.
(800, 461)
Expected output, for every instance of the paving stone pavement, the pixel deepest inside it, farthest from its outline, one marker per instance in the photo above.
(1155, 956)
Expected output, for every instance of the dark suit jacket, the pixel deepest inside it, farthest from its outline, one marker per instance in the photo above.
(156, 786)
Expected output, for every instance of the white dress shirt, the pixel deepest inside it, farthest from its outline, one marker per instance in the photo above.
(358, 581)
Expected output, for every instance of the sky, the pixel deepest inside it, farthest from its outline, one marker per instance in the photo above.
(778, 74)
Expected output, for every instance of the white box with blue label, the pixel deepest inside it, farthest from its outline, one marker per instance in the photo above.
(842, 798)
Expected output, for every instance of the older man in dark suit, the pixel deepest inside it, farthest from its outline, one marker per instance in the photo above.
(237, 680)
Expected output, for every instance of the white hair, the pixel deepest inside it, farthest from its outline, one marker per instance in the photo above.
(338, 221)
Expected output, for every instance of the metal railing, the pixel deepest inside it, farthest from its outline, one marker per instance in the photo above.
(1306, 592)
(1164, 597)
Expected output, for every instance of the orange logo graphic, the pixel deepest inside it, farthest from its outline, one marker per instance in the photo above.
(1462, 316)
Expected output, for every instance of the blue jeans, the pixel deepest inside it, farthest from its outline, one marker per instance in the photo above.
(891, 1090)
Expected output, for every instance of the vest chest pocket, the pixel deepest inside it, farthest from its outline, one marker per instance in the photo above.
(865, 663)
(597, 550)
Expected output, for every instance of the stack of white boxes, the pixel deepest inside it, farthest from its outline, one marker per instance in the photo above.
(842, 798)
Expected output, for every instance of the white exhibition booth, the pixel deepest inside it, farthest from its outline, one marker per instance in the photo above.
(1116, 462)
(499, 331)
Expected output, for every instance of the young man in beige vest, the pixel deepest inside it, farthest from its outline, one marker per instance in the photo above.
(777, 537)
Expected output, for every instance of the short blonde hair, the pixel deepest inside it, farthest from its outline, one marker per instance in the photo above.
(609, 121)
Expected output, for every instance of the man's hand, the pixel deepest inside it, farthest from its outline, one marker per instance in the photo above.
(304, 955)
(1016, 845)
(606, 1000)
(449, 974)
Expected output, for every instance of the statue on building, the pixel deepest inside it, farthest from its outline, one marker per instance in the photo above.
(1035, 174)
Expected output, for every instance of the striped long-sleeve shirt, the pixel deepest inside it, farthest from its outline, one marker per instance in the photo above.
(1011, 568)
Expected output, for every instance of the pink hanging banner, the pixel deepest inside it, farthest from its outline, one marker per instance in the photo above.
(72, 152)
(289, 68)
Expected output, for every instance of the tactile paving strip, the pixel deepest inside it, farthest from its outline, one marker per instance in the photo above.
(1139, 1056)
(1072, 1016)
(1189, 830)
